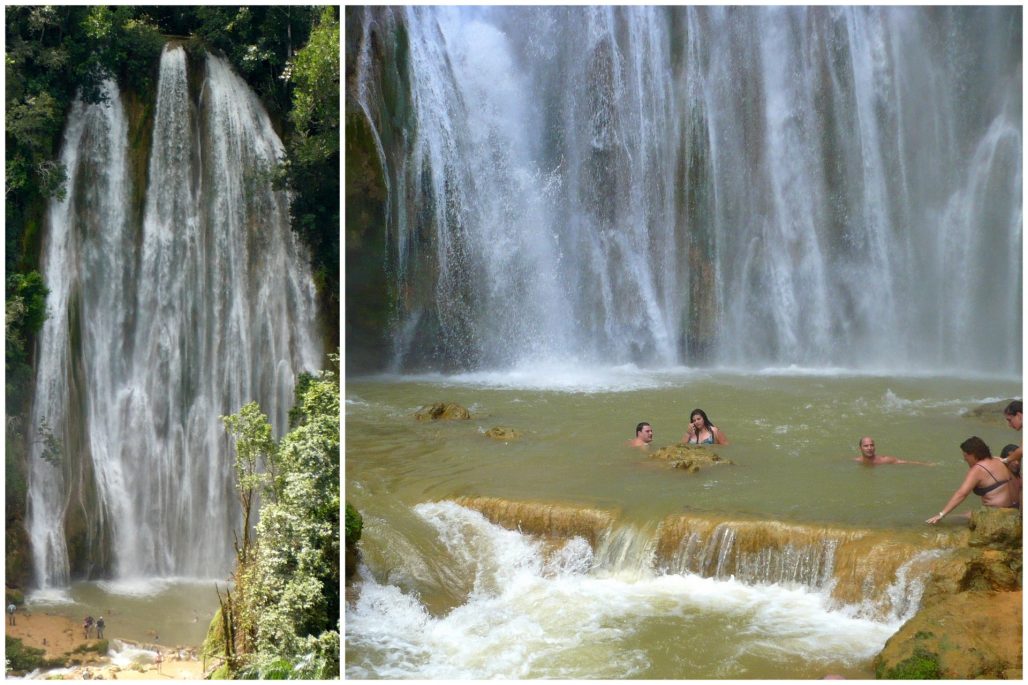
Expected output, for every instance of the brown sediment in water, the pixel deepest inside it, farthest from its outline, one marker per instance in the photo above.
(538, 518)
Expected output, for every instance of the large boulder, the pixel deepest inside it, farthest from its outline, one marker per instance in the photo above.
(442, 411)
(969, 624)
(690, 458)
(969, 635)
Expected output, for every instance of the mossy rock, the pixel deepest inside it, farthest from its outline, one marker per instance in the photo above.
(921, 665)
(689, 458)
(990, 412)
(503, 433)
(13, 596)
(996, 528)
(965, 636)
(442, 411)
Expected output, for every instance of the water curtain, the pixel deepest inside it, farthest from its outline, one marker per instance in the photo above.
(163, 315)
(746, 187)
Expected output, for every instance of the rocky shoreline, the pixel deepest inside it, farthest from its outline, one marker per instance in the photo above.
(970, 622)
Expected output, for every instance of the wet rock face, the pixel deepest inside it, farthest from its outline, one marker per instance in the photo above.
(690, 458)
(442, 411)
(990, 412)
(966, 636)
(970, 622)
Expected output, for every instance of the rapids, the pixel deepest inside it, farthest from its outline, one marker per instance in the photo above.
(568, 554)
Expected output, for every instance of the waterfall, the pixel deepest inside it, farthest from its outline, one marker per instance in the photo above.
(740, 187)
(161, 320)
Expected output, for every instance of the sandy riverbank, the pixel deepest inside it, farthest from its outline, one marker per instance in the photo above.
(60, 635)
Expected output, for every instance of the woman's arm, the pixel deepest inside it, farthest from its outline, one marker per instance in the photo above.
(719, 437)
(959, 496)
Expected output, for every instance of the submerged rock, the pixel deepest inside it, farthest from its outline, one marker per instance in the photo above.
(690, 458)
(503, 433)
(442, 411)
(990, 412)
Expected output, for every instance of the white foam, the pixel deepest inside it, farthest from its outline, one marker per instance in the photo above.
(50, 596)
(529, 618)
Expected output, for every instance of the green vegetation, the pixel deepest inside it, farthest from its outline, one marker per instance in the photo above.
(20, 659)
(921, 665)
(282, 620)
(354, 525)
(98, 646)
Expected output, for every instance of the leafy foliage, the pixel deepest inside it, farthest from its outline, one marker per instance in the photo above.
(287, 588)
(25, 312)
(354, 525)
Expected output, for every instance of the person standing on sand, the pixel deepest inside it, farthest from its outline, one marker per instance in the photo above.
(159, 659)
(643, 436)
(100, 628)
(868, 457)
(10, 614)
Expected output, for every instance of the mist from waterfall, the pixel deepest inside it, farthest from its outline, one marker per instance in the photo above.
(159, 323)
(742, 187)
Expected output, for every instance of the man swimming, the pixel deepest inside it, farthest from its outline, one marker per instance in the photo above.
(643, 435)
(868, 456)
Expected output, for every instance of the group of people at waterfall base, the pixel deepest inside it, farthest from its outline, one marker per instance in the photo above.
(997, 480)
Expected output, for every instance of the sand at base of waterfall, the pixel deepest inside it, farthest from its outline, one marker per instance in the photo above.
(59, 635)
(55, 634)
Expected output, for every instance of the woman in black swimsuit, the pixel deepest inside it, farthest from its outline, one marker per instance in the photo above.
(987, 477)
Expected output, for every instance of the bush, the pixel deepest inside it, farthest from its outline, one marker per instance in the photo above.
(21, 659)
(354, 525)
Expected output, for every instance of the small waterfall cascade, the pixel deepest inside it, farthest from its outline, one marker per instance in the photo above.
(745, 187)
(881, 575)
(161, 320)
(458, 612)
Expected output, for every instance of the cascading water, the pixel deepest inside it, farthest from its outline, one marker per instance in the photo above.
(159, 322)
(728, 186)
(504, 622)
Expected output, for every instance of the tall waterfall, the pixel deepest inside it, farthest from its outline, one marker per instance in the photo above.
(161, 320)
(824, 186)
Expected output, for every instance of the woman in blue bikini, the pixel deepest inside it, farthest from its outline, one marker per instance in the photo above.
(987, 477)
(702, 432)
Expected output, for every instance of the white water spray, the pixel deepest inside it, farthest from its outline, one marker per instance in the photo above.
(750, 187)
(156, 329)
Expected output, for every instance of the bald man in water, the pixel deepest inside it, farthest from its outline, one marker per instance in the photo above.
(868, 456)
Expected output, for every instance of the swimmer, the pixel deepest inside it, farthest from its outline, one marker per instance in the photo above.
(868, 457)
(643, 435)
(702, 432)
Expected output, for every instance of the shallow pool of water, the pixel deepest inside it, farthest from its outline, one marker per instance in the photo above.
(425, 610)
(168, 612)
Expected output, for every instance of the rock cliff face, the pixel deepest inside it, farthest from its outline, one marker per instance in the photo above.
(970, 622)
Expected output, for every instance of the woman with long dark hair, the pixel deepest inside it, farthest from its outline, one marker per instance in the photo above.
(987, 477)
(701, 431)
